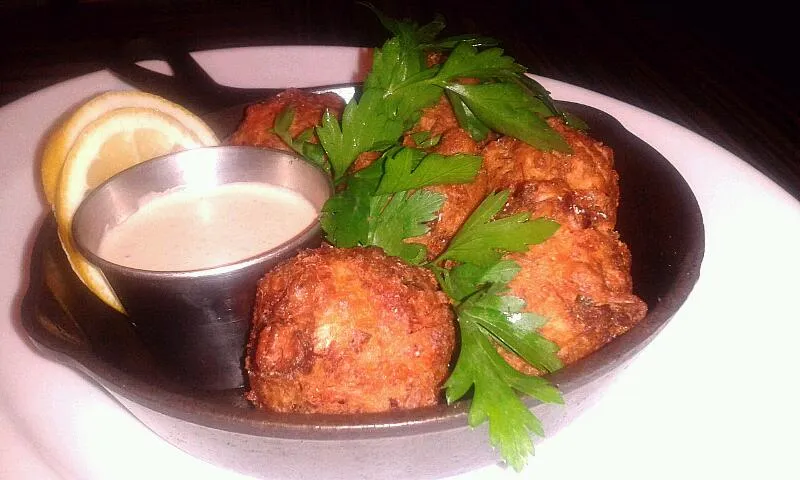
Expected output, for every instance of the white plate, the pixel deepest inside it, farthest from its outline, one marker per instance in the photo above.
(712, 396)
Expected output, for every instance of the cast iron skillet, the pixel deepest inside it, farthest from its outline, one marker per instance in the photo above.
(659, 219)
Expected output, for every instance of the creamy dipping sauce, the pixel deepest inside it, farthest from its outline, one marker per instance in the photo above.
(195, 229)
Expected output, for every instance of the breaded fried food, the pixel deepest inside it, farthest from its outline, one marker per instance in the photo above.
(587, 174)
(259, 118)
(579, 279)
(554, 199)
(348, 331)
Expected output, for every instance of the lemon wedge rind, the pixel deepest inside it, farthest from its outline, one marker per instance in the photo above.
(64, 136)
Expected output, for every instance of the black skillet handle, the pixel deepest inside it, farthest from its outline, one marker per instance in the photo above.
(190, 85)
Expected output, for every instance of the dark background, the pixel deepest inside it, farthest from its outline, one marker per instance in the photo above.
(723, 70)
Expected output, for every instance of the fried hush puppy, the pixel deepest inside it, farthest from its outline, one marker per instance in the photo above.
(579, 279)
(587, 173)
(259, 118)
(348, 331)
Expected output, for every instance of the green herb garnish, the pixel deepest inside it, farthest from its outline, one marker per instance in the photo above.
(488, 318)
(466, 119)
(400, 85)
(409, 169)
(367, 124)
(302, 144)
(386, 204)
(481, 240)
(382, 204)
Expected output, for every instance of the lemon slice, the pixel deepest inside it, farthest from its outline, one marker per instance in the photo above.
(115, 141)
(60, 141)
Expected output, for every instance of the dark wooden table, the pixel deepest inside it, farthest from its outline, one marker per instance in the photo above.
(720, 70)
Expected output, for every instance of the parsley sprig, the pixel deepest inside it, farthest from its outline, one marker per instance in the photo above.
(488, 317)
(301, 144)
(481, 241)
(386, 204)
(400, 84)
(410, 169)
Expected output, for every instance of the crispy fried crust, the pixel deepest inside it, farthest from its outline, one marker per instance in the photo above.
(348, 331)
(579, 279)
(259, 118)
(586, 175)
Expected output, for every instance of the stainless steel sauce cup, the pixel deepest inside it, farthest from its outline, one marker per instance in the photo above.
(196, 322)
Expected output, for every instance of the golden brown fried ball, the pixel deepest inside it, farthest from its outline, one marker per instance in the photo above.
(579, 281)
(259, 118)
(348, 331)
(587, 174)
